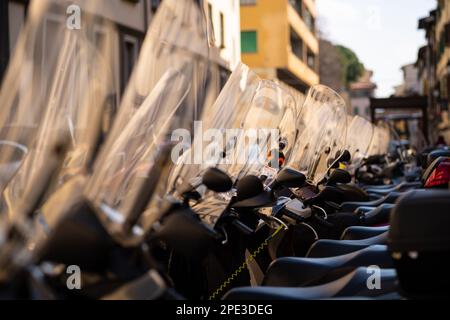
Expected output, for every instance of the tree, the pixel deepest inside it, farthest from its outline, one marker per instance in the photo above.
(352, 66)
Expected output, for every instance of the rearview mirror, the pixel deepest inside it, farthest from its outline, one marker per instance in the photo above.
(340, 157)
(339, 176)
(290, 178)
(217, 180)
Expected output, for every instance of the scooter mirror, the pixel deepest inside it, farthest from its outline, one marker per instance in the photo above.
(339, 176)
(290, 178)
(345, 157)
(340, 157)
(217, 180)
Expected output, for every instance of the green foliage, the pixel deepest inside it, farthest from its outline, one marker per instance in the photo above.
(352, 67)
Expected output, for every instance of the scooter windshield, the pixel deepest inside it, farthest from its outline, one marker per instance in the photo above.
(238, 134)
(177, 37)
(172, 83)
(380, 141)
(269, 133)
(385, 137)
(323, 132)
(228, 112)
(66, 140)
(27, 85)
(359, 138)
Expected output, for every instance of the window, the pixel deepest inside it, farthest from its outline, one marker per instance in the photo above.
(130, 46)
(309, 20)
(297, 5)
(296, 44)
(222, 31)
(248, 2)
(249, 41)
(311, 60)
(356, 111)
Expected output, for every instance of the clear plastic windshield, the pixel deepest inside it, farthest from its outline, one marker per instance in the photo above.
(269, 133)
(177, 37)
(249, 121)
(322, 133)
(228, 112)
(416, 136)
(381, 140)
(374, 148)
(115, 185)
(27, 84)
(385, 138)
(70, 128)
(359, 138)
(173, 81)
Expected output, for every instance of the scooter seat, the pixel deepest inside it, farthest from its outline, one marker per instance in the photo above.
(305, 272)
(374, 216)
(332, 248)
(354, 284)
(361, 233)
(402, 187)
(391, 198)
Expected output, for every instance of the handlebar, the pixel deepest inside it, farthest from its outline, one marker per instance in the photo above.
(242, 227)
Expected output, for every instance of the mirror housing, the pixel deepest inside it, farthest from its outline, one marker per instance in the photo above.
(345, 156)
(217, 180)
(340, 157)
(339, 176)
(289, 178)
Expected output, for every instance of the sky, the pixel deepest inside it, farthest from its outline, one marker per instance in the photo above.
(383, 33)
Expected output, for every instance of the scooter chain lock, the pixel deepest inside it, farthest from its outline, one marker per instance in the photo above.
(246, 263)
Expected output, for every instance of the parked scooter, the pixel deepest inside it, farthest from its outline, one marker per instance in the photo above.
(265, 190)
(63, 146)
(98, 224)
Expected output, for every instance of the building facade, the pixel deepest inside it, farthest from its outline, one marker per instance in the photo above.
(442, 38)
(225, 20)
(331, 71)
(132, 18)
(431, 63)
(279, 41)
(360, 94)
(411, 82)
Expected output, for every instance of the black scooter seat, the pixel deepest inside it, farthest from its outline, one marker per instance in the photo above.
(391, 198)
(380, 215)
(399, 186)
(305, 272)
(361, 233)
(402, 187)
(332, 248)
(354, 284)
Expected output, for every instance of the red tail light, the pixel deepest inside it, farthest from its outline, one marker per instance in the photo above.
(440, 176)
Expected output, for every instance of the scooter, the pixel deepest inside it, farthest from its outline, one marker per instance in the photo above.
(49, 233)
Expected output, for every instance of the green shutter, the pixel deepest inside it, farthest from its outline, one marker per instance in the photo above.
(249, 41)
